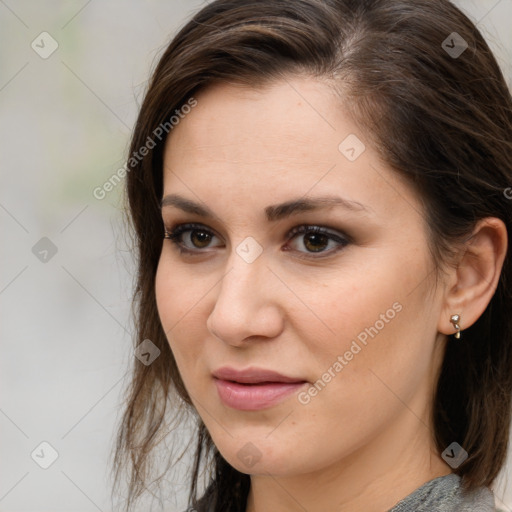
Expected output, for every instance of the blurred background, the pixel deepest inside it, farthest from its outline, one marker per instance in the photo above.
(72, 76)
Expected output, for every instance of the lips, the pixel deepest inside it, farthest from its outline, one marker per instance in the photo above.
(253, 389)
(253, 375)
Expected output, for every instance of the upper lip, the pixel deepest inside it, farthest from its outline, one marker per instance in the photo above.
(252, 375)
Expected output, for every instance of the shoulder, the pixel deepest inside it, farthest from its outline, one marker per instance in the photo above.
(445, 494)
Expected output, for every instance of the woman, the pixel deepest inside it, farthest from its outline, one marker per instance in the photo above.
(320, 192)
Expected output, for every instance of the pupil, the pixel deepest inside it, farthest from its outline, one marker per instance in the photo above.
(200, 238)
(316, 242)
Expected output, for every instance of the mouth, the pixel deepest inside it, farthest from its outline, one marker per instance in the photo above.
(254, 375)
(263, 383)
(254, 389)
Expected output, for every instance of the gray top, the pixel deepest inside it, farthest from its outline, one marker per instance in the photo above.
(442, 494)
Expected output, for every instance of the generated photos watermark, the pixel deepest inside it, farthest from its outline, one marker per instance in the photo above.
(361, 341)
(160, 132)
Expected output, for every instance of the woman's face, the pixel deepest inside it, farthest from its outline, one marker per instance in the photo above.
(348, 311)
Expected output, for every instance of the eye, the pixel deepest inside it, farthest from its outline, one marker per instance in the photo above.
(306, 239)
(317, 239)
(191, 237)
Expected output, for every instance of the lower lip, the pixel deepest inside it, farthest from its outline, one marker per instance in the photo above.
(253, 397)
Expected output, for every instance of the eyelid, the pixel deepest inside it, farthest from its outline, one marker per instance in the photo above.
(178, 229)
(342, 235)
(339, 238)
(324, 230)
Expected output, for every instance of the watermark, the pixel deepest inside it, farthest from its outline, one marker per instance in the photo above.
(160, 132)
(351, 147)
(44, 45)
(44, 250)
(146, 352)
(249, 454)
(249, 249)
(44, 455)
(305, 397)
(508, 193)
(454, 455)
(454, 45)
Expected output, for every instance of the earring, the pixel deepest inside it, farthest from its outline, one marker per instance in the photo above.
(455, 319)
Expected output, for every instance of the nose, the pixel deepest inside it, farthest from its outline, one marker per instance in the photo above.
(247, 305)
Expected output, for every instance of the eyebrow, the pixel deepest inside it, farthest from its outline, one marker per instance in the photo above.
(272, 212)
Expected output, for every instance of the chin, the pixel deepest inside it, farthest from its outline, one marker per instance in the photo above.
(260, 456)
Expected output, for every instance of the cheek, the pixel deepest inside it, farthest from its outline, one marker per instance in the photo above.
(366, 371)
(372, 320)
(168, 284)
(336, 307)
(179, 302)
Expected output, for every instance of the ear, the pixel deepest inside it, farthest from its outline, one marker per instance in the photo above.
(472, 283)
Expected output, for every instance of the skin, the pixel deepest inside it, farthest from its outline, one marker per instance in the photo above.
(365, 441)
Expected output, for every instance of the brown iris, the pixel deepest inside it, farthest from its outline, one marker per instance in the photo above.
(315, 242)
(200, 238)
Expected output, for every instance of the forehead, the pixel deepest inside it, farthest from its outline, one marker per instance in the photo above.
(282, 118)
(288, 138)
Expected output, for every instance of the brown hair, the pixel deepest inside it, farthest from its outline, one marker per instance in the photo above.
(441, 120)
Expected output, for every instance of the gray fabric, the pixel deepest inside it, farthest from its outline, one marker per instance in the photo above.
(442, 494)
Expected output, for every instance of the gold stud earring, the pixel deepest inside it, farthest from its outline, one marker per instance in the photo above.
(455, 319)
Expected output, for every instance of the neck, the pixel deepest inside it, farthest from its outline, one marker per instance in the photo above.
(373, 478)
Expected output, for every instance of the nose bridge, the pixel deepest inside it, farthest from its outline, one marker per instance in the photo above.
(245, 304)
(242, 288)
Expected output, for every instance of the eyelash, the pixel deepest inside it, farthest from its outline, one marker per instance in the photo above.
(174, 235)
